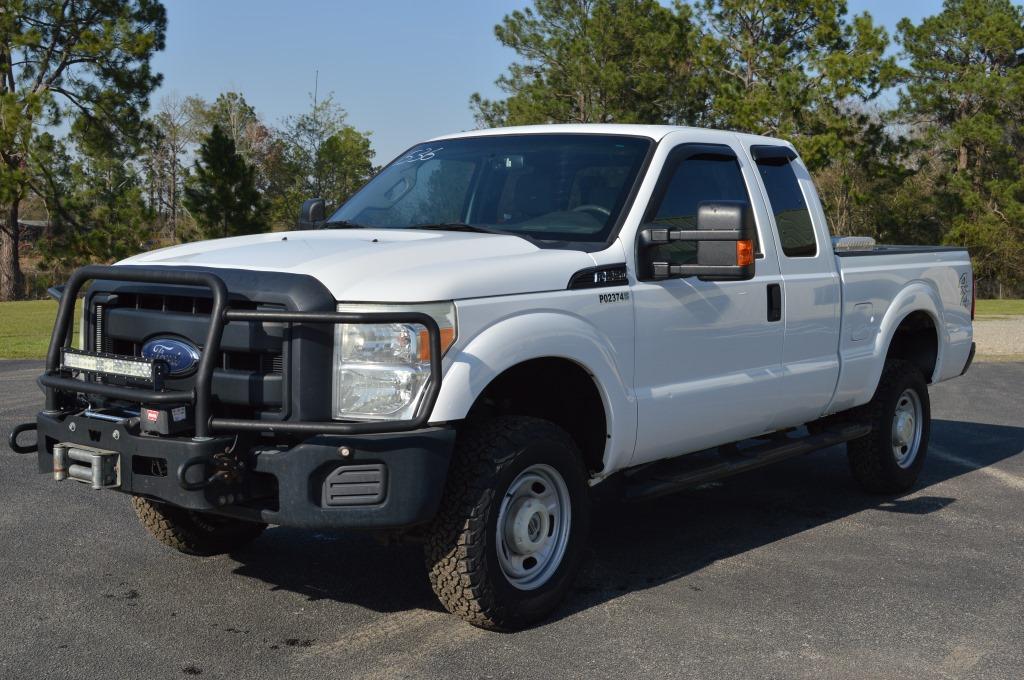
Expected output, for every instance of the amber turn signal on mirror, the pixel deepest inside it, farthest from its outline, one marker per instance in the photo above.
(744, 253)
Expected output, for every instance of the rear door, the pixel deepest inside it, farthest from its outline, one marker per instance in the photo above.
(811, 288)
(708, 353)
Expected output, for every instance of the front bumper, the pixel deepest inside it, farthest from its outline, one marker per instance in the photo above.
(280, 484)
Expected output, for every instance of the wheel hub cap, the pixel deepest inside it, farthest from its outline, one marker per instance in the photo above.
(533, 527)
(903, 429)
(906, 428)
(528, 526)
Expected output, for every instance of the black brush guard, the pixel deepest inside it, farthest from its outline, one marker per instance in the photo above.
(57, 382)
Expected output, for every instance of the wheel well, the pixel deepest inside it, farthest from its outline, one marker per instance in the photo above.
(558, 390)
(916, 340)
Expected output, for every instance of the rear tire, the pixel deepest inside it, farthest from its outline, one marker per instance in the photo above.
(194, 533)
(890, 458)
(509, 537)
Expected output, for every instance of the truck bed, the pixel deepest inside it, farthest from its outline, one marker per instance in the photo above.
(879, 286)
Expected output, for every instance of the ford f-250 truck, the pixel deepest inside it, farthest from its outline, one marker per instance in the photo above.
(497, 323)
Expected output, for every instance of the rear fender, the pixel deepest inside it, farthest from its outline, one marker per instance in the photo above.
(862, 370)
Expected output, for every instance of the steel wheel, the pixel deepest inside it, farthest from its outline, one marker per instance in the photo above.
(533, 527)
(907, 423)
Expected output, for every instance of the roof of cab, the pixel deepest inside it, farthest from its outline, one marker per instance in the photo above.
(655, 132)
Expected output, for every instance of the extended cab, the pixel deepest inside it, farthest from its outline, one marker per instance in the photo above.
(497, 323)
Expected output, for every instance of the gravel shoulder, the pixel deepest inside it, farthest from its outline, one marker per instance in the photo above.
(1000, 337)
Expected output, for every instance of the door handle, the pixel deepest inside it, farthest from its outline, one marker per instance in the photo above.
(774, 302)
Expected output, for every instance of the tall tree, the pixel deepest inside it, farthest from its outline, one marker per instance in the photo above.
(97, 209)
(87, 59)
(222, 194)
(173, 134)
(965, 97)
(799, 69)
(325, 157)
(597, 61)
(235, 116)
(260, 145)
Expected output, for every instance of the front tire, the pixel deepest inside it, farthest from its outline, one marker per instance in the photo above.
(509, 537)
(194, 533)
(890, 458)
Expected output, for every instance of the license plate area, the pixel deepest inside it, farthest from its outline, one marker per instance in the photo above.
(99, 468)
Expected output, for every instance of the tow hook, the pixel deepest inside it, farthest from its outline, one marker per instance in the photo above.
(227, 470)
(12, 441)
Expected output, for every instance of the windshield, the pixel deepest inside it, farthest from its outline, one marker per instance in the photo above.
(546, 187)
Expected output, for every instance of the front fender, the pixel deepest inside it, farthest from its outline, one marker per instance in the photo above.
(538, 335)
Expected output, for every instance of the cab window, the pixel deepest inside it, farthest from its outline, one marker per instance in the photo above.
(792, 218)
(695, 180)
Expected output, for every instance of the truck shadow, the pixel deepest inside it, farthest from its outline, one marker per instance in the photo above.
(639, 546)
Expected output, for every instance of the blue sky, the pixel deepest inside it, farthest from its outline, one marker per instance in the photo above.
(404, 69)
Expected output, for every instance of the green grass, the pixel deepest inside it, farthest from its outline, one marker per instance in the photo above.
(25, 328)
(1000, 307)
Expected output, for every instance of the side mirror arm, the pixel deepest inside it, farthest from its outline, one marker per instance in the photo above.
(659, 236)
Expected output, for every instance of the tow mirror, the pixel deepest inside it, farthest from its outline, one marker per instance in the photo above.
(312, 213)
(725, 237)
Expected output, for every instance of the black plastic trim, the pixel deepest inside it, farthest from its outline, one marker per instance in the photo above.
(766, 153)
(899, 250)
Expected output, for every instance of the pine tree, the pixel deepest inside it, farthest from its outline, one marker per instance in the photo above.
(222, 194)
(965, 97)
(87, 63)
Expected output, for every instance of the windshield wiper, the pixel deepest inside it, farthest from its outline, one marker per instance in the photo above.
(343, 224)
(456, 226)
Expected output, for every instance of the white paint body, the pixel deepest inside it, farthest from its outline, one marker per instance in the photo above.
(681, 365)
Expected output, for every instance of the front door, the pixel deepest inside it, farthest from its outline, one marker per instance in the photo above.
(708, 358)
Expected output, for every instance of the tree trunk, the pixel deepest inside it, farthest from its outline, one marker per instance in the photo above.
(10, 267)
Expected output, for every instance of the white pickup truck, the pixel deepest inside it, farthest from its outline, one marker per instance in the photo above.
(497, 323)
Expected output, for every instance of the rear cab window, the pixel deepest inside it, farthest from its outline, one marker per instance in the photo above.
(787, 203)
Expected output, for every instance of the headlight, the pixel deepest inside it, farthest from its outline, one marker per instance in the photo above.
(381, 371)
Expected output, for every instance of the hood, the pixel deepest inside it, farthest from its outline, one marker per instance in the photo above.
(389, 265)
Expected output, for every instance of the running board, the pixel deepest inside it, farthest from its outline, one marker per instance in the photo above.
(690, 471)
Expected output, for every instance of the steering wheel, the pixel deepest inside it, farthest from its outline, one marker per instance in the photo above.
(593, 207)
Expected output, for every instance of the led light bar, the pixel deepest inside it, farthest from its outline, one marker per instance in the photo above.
(108, 364)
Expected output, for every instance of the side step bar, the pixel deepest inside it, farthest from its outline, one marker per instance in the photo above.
(678, 474)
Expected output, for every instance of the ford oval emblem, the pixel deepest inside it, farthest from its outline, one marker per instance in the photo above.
(180, 356)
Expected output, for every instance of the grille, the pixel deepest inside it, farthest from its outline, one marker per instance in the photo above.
(249, 374)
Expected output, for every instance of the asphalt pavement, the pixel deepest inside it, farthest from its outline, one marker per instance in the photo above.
(785, 572)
